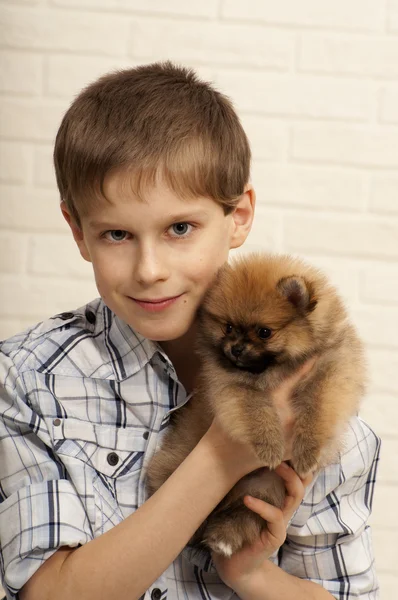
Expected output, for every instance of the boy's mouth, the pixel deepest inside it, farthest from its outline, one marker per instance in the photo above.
(155, 304)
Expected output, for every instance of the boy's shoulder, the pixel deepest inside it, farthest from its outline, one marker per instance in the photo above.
(361, 449)
(87, 342)
(357, 463)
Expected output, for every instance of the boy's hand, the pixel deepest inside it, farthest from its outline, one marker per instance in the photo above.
(240, 568)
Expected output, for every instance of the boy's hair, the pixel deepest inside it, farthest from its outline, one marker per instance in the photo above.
(156, 121)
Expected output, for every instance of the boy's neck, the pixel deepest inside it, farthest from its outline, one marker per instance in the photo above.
(182, 354)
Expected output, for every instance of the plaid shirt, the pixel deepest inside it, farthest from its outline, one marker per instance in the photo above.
(83, 402)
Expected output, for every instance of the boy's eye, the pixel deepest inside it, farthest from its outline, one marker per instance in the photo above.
(116, 235)
(180, 229)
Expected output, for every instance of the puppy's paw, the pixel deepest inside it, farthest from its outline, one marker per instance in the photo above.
(270, 454)
(306, 453)
(226, 534)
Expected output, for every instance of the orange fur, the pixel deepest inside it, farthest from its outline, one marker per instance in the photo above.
(263, 317)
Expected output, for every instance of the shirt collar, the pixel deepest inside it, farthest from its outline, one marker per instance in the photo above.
(129, 350)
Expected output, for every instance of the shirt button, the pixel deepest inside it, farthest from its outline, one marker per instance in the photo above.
(57, 422)
(145, 435)
(156, 594)
(112, 459)
(66, 315)
(90, 316)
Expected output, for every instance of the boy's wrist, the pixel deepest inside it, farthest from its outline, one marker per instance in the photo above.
(272, 583)
(236, 459)
(253, 586)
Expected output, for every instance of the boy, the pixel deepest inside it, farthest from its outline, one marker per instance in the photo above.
(153, 169)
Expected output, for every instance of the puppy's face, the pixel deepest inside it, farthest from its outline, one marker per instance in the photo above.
(245, 346)
(253, 318)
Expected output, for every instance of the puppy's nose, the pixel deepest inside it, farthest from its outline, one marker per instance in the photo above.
(237, 350)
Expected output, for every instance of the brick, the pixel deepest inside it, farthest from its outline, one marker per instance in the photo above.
(297, 95)
(265, 233)
(57, 256)
(380, 411)
(385, 502)
(337, 235)
(383, 369)
(388, 582)
(269, 140)
(346, 144)
(23, 2)
(20, 72)
(46, 29)
(388, 108)
(30, 119)
(68, 74)
(373, 57)
(30, 209)
(8, 328)
(392, 19)
(377, 325)
(384, 543)
(24, 296)
(205, 8)
(379, 284)
(314, 187)
(13, 252)
(14, 162)
(211, 43)
(356, 14)
(43, 171)
(383, 193)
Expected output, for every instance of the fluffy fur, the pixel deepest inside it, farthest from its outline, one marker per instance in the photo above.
(263, 317)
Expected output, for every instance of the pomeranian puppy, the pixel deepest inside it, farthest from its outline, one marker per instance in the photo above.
(263, 317)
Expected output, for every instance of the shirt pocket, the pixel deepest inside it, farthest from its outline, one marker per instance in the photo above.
(105, 464)
(109, 450)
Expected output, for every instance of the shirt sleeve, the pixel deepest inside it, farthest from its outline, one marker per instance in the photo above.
(329, 540)
(40, 510)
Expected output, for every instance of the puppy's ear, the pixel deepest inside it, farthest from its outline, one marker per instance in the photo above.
(298, 292)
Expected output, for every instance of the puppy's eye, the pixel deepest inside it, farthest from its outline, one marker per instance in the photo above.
(228, 328)
(264, 333)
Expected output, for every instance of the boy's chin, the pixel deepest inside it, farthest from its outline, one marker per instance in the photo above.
(166, 333)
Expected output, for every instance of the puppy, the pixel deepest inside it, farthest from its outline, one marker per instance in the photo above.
(263, 317)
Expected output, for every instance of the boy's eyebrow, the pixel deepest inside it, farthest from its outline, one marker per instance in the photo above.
(172, 218)
(188, 216)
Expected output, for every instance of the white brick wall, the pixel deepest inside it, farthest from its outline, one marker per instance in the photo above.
(315, 83)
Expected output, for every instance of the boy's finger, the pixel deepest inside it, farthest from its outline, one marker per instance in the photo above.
(274, 517)
(294, 486)
(295, 489)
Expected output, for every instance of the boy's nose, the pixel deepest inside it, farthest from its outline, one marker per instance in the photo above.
(150, 268)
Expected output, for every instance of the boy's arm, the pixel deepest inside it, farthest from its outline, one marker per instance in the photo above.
(125, 561)
(273, 583)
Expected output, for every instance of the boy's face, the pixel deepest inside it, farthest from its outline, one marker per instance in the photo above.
(154, 259)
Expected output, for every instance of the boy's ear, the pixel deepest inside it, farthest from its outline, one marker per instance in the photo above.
(242, 217)
(76, 232)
